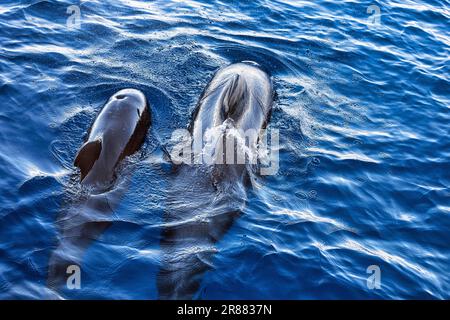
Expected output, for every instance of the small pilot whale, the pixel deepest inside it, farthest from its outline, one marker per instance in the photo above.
(206, 198)
(118, 131)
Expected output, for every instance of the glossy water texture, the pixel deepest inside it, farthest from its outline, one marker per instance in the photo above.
(363, 113)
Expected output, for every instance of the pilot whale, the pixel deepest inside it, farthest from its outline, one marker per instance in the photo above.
(118, 131)
(205, 198)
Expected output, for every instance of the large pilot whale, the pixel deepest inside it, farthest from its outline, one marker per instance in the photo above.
(118, 131)
(206, 197)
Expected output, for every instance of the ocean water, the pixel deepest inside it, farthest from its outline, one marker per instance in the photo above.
(362, 108)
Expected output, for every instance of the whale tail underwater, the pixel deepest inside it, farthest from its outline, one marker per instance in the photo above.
(118, 131)
(205, 199)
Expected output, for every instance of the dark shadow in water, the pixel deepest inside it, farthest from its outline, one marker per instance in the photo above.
(81, 222)
(198, 214)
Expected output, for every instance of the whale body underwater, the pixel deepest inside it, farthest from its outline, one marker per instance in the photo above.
(202, 200)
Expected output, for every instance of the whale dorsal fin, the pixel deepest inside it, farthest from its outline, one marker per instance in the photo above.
(87, 156)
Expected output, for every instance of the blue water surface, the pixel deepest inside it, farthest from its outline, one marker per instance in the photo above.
(362, 107)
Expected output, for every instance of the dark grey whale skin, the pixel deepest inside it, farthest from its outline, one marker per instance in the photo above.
(204, 200)
(118, 131)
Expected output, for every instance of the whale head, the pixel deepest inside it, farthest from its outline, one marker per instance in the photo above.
(118, 131)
